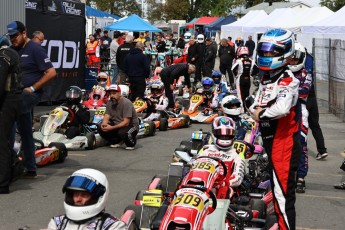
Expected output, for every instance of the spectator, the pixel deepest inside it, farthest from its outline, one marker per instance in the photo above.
(147, 36)
(121, 53)
(137, 68)
(199, 61)
(160, 44)
(180, 42)
(114, 45)
(105, 47)
(120, 123)
(229, 41)
(226, 54)
(37, 71)
(10, 99)
(210, 57)
(122, 38)
(92, 52)
(172, 73)
(251, 46)
(141, 38)
(86, 194)
(192, 51)
(172, 40)
(38, 37)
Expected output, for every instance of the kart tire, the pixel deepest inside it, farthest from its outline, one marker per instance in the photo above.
(260, 206)
(187, 118)
(140, 195)
(152, 128)
(197, 145)
(186, 146)
(163, 124)
(270, 221)
(91, 141)
(137, 210)
(63, 152)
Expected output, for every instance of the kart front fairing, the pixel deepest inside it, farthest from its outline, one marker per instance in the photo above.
(76, 143)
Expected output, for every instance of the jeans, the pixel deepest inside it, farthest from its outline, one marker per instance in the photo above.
(115, 72)
(8, 115)
(24, 125)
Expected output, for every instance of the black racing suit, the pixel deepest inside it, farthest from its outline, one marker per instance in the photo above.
(10, 100)
(278, 122)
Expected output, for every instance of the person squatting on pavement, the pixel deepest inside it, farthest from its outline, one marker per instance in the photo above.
(275, 108)
(137, 68)
(172, 73)
(10, 99)
(86, 195)
(223, 129)
(120, 123)
(37, 71)
(296, 65)
(243, 69)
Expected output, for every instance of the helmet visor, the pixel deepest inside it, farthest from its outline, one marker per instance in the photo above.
(266, 49)
(84, 184)
(224, 134)
(99, 80)
(232, 104)
(72, 93)
(96, 97)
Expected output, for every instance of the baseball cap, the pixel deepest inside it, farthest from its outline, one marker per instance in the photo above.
(15, 27)
(114, 87)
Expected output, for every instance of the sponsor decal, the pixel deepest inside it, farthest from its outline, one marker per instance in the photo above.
(30, 5)
(69, 8)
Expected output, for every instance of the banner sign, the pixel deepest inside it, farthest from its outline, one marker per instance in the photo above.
(64, 32)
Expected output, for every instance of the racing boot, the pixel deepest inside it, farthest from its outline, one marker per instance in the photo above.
(342, 166)
(300, 186)
(340, 186)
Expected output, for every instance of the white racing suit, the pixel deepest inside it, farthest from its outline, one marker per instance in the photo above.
(96, 223)
(160, 104)
(278, 123)
(235, 164)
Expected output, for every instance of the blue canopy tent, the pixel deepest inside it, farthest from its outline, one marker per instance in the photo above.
(91, 12)
(209, 26)
(217, 25)
(132, 23)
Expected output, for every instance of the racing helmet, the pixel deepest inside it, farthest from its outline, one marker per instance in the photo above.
(242, 52)
(124, 90)
(89, 180)
(157, 88)
(299, 54)
(223, 129)
(216, 76)
(187, 36)
(207, 84)
(97, 93)
(274, 47)
(73, 95)
(102, 79)
(200, 38)
(231, 105)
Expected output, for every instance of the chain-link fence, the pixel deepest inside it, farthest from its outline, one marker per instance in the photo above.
(329, 66)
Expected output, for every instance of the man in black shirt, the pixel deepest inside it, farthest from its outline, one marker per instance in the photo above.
(251, 46)
(121, 54)
(210, 57)
(226, 54)
(160, 44)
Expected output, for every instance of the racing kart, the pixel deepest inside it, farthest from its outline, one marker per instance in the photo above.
(164, 120)
(53, 127)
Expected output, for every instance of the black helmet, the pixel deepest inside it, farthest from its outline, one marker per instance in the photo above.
(73, 95)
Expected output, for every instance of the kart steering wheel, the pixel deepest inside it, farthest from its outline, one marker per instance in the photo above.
(225, 169)
(70, 112)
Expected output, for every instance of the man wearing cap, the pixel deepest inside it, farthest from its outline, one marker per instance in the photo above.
(10, 99)
(37, 71)
(105, 47)
(209, 58)
(120, 123)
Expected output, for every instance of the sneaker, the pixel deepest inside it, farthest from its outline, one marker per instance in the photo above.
(340, 186)
(118, 145)
(300, 186)
(321, 156)
(29, 175)
(130, 148)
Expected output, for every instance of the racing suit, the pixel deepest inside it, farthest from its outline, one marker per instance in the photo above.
(221, 90)
(234, 163)
(211, 101)
(159, 104)
(242, 126)
(96, 223)
(243, 69)
(278, 122)
(81, 115)
(303, 91)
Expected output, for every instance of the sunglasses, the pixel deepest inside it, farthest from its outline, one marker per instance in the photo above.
(14, 36)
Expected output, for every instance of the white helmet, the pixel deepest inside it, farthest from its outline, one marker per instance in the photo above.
(223, 131)
(124, 90)
(92, 181)
(187, 36)
(301, 54)
(200, 38)
(102, 79)
(228, 103)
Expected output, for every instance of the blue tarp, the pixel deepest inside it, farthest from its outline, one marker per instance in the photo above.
(132, 23)
(91, 12)
(217, 24)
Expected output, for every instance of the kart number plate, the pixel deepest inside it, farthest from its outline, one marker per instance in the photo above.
(190, 200)
(195, 98)
(138, 104)
(240, 148)
(204, 166)
(57, 112)
(197, 135)
(100, 112)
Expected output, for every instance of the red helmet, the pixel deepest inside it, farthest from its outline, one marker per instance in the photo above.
(242, 51)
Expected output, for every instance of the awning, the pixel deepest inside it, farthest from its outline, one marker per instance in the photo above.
(202, 21)
(92, 12)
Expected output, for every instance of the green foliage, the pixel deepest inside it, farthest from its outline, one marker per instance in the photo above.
(156, 11)
(119, 7)
(333, 4)
(176, 9)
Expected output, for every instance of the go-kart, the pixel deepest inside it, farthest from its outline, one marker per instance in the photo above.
(197, 113)
(96, 98)
(162, 119)
(53, 128)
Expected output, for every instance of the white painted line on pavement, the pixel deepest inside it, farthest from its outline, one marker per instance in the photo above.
(77, 154)
(324, 197)
(326, 174)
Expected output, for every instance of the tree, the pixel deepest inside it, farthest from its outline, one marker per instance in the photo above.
(176, 9)
(156, 11)
(118, 7)
(333, 4)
